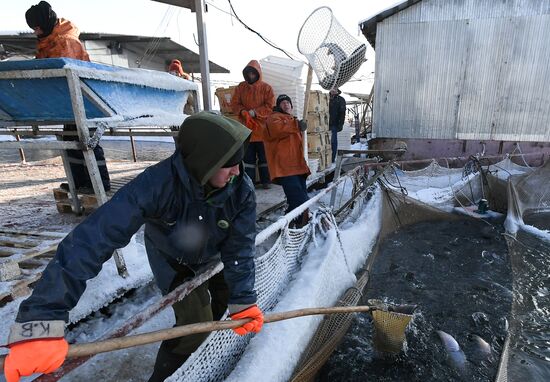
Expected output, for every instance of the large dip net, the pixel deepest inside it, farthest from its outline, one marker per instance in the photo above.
(332, 52)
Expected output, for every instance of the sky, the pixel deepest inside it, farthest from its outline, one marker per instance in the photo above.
(229, 43)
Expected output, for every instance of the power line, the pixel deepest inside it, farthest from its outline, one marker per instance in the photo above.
(258, 34)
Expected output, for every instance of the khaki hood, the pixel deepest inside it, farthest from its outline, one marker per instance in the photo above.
(207, 141)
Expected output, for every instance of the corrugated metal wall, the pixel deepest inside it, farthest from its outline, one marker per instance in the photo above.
(464, 69)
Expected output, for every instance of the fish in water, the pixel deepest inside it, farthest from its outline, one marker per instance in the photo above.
(455, 355)
(482, 350)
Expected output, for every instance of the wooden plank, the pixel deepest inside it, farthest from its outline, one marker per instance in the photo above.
(19, 288)
(33, 233)
(7, 251)
(6, 242)
(10, 269)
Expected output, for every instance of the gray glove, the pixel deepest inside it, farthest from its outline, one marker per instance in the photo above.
(252, 113)
(302, 125)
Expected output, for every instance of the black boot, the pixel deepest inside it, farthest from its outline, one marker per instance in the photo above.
(167, 362)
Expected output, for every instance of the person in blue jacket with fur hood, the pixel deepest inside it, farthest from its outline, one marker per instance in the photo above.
(196, 204)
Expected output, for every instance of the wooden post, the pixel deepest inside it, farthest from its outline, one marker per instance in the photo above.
(337, 171)
(77, 102)
(306, 107)
(21, 152)
(75, 202)
(133, 143)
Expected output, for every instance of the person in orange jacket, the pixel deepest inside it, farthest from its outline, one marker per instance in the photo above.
(285, 154)
(253, 101)
(57, 38)
(176, 69)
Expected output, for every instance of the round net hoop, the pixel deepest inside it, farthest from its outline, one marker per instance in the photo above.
(333, 53)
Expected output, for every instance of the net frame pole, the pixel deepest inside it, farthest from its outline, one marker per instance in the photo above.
(306, 108)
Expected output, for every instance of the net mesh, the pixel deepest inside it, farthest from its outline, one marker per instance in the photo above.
(447, 188)
(329, 334)
(528, 194)
(389, 330)
(332, 52)
(220, 352)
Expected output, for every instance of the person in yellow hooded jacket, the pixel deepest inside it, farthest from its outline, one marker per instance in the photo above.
(58, 37)
(253, 101)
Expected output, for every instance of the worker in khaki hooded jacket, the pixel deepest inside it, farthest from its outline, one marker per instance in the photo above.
(58, 38)
(253, 101)
(197, 206)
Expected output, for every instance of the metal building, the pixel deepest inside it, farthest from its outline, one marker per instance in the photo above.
(462, 70)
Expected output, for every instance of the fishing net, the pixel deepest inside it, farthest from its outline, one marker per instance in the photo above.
(332, 52)
(449, 188)
(528, 227)
(389, 331)
(329, 334)
(528, 194)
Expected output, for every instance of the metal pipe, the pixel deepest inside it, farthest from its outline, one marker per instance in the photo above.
(203, 55)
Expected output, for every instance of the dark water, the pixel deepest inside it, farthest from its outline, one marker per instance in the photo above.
(539, 220)
(114, 150)
(459, 275)
(530, 324)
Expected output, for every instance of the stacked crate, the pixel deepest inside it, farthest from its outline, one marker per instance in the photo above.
(318, 134)
(225, 96)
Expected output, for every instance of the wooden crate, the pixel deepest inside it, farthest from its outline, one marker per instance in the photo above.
(316, 142)
(324, 157)
(320, 156)
(224, 98)
(318, 102)
(317, 122)
(88, 202)
(328, 157)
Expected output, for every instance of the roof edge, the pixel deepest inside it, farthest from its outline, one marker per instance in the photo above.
(368, 26)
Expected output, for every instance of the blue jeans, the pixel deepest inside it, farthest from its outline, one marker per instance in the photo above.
(334, 141)
(253, 151)
(295, 190)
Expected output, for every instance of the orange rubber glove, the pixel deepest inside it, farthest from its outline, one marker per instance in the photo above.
(34, 356)
(253, 326)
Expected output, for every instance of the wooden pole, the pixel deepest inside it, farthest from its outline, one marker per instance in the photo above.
(306, 107)
(133, 144)
(21, 152)
(86, 349)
